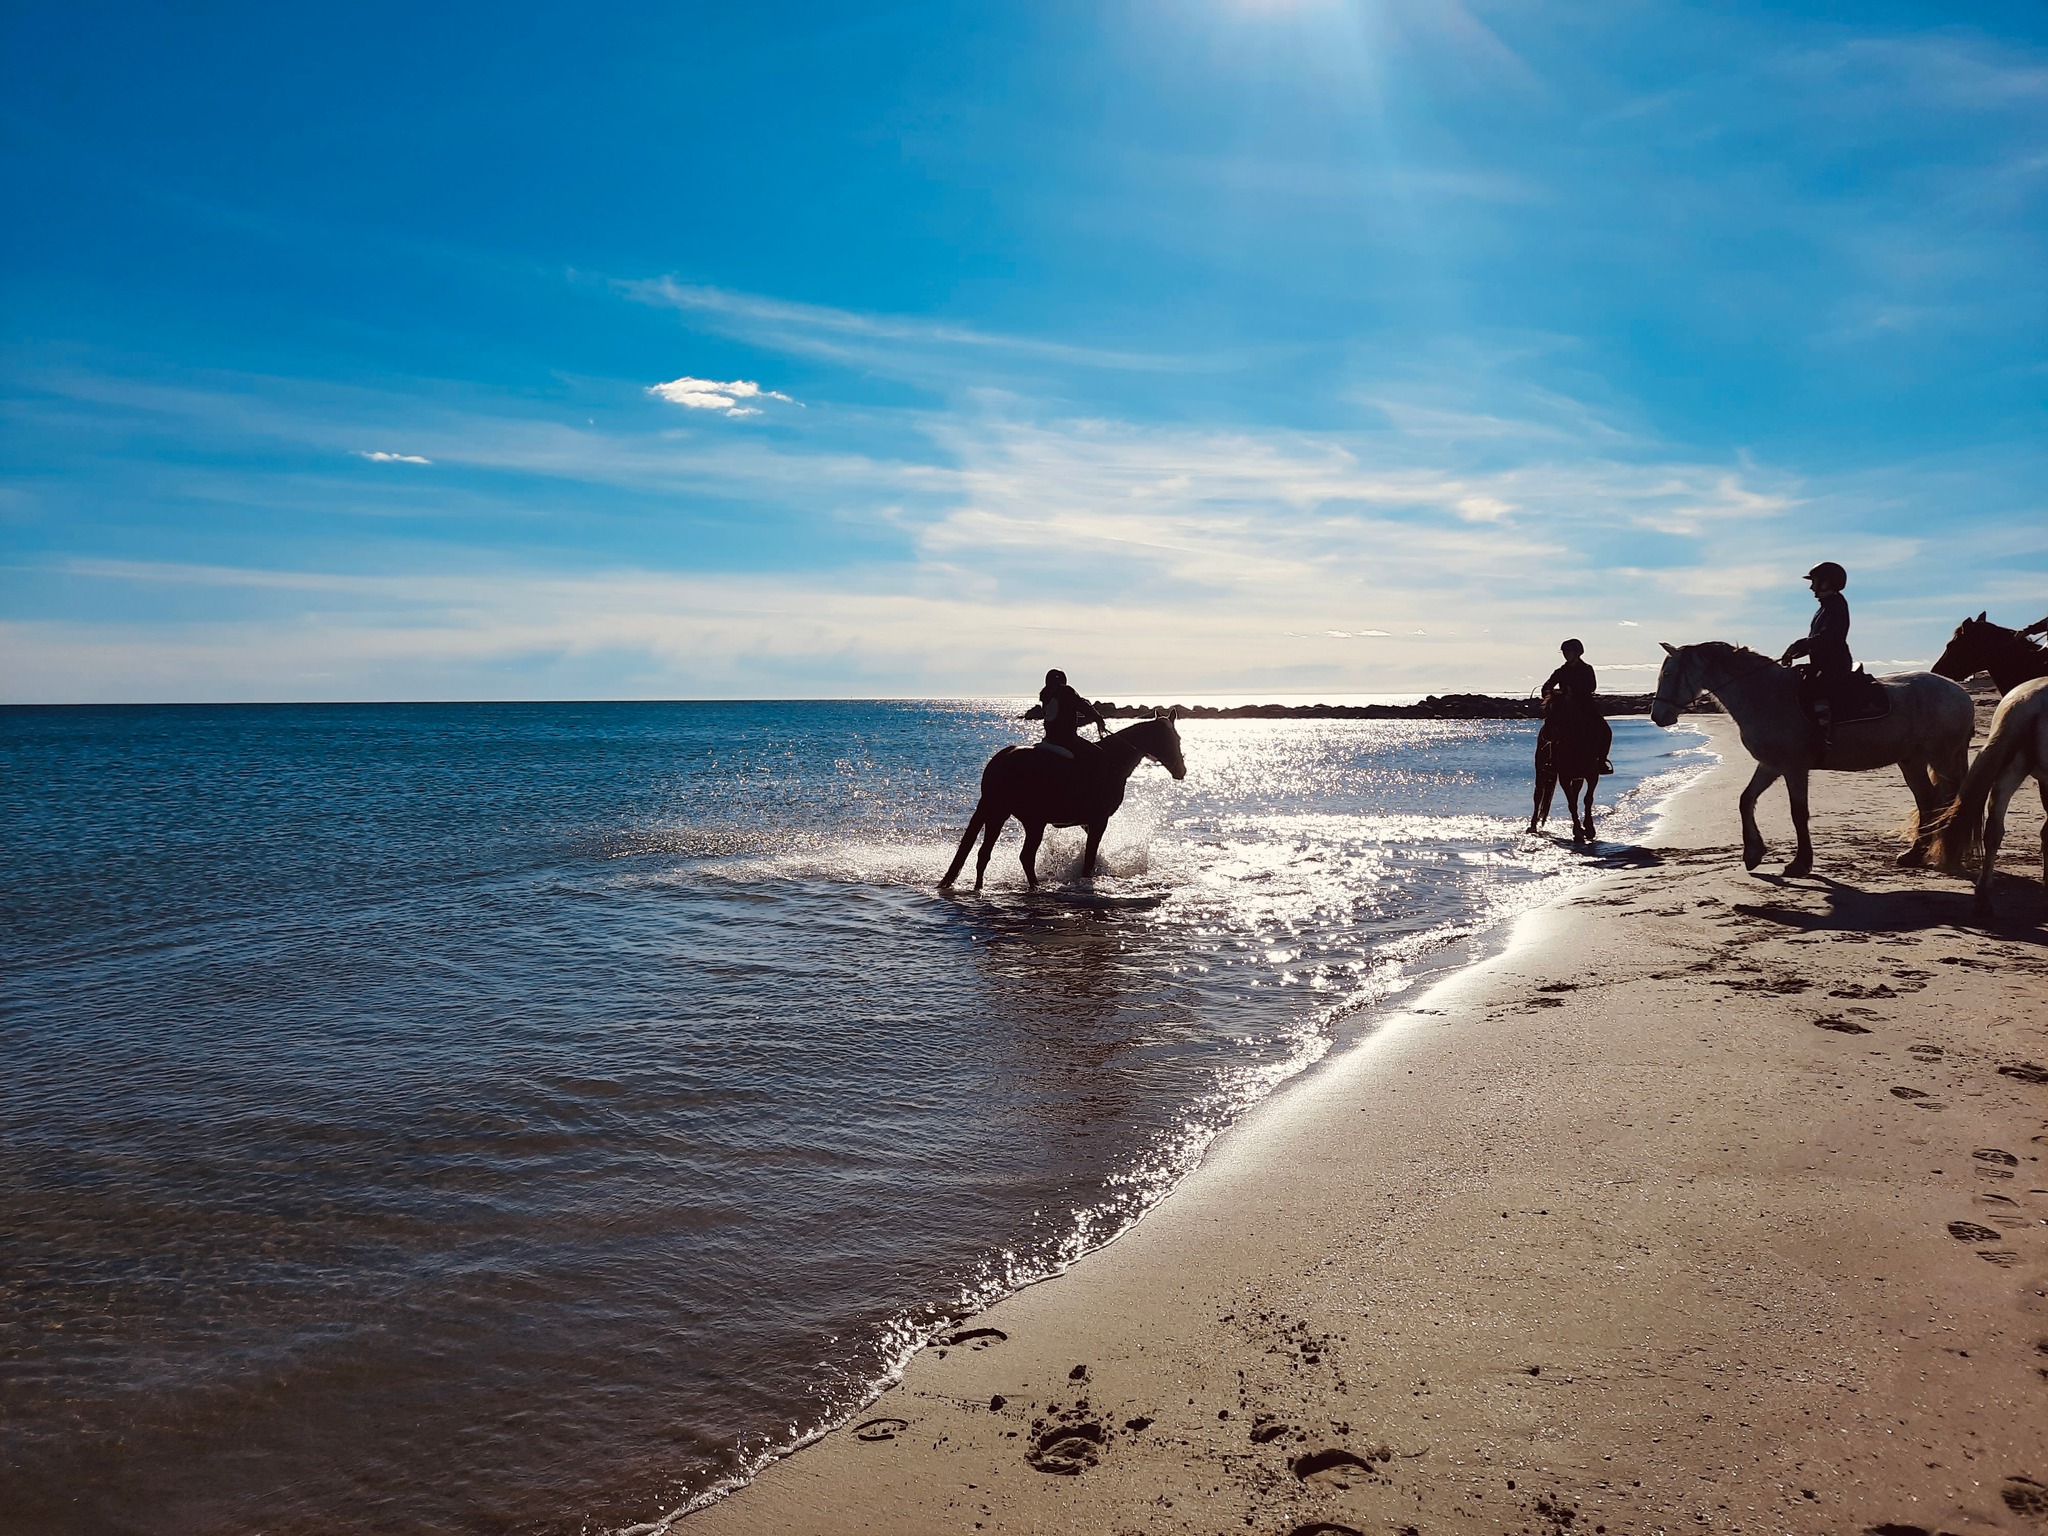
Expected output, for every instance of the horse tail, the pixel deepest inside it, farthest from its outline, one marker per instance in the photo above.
(974, 826)
(1959, 831)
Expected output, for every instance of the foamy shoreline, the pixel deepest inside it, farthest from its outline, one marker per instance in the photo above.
(1604, 1227)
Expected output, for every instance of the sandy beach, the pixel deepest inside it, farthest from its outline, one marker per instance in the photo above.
(1714, 1202)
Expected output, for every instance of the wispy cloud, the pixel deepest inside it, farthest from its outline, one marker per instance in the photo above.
(709, 395)
(378, 456)
(901, 343)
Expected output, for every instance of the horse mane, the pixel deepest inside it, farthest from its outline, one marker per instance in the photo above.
(1740, 654)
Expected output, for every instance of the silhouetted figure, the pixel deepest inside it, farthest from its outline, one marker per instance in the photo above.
(1826, 647)
(1571, 697)
(1576, 674)
(1065, 712)
(1573, 743)
(2038, 627)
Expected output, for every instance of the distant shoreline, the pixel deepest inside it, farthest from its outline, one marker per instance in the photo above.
(1449, 706)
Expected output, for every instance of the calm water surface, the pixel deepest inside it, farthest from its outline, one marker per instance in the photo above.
(520, 1118)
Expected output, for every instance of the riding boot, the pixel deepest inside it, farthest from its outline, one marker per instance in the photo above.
(1824, 717)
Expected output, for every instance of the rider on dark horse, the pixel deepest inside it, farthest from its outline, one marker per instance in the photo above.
(1826, 648)
(1065, 710)
(1575, 687)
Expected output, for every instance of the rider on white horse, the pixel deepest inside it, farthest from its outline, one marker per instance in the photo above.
(1826, 646)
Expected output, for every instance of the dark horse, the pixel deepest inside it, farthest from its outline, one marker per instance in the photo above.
(1978, 645)
(1572, 751)
(1042, 788)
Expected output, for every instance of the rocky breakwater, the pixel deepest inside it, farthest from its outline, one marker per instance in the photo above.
(1449, 706)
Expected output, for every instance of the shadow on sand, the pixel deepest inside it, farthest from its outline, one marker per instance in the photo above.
(1851, 909)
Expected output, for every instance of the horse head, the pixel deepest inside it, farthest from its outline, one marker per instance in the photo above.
(1970, 647)
(1165, 750)
(1678, 683)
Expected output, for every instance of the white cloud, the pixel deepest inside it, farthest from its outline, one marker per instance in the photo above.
(710, 395)
(378, 456)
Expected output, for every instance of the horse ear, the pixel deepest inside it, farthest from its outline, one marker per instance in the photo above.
(1669, 649)
(1981, 617)
(1173, 713)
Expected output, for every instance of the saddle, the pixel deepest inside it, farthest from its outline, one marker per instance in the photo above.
(1860, 698)
(1055, 748)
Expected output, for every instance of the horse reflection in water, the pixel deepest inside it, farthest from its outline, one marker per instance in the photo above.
(1044, 788)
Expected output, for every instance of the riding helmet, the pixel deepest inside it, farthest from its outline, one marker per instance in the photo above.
(1829, 572)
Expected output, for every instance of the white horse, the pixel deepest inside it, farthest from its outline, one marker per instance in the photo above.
(2018, 747)
(1927, 734)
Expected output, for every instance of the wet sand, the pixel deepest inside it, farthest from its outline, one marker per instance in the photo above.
(1715, 1203)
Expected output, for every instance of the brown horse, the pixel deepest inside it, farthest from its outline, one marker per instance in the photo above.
(1978, 645)
(1042, 788)
(1572, 751)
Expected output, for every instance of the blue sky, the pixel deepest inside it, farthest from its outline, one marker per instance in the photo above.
(1330, 346)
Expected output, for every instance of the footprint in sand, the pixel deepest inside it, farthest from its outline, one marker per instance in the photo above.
(1925, 1052)
(1994, 1163)
(880, 1429)
(1842, 1026)
(1918, 1098)
(2026, 1072)
(2024, 1496)
(1970, 1232)
(1266, 1434)
(974, 1338)
(1336, 1467)
(1326, 1528)
(1067, 1450)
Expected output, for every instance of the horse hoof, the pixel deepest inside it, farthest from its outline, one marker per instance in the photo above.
(1912, 858)
(1752, 857)
(1799, 867)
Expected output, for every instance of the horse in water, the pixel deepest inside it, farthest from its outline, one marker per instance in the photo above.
(1572, 751)
(2018, 747)
(1926, 733)
(1978, 645)
(1044, 788)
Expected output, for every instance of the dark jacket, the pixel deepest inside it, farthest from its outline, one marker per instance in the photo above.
(1827, 638)
(1575, 675)
(1065, 711)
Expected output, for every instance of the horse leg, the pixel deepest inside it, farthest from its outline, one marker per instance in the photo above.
(1918, 780)
(960, 853)
(2042, 784)
(1033, 832)
(1571, 804)
(991, 829)
(1802, 855)
(1546, 790)
(1095, 831)
(1753, 840)
(1994, 830)
(1592, 784)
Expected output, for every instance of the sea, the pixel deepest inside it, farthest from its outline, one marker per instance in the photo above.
(533, 1117)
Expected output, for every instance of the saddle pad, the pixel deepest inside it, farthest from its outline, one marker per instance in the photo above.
(1863, 698)
(1048, 746)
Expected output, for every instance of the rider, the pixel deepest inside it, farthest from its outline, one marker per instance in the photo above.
(1576, 681)
(1575, 675)
(1065, 710)
(1826, 646)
